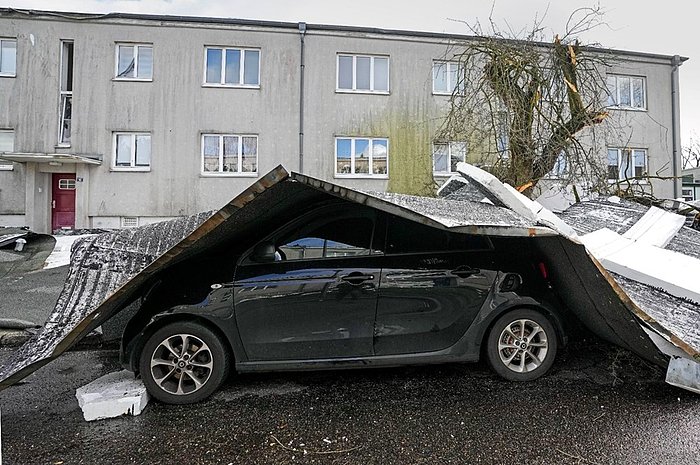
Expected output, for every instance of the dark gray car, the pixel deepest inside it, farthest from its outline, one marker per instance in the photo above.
(345, 286)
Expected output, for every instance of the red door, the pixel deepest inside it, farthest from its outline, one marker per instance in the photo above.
(63, 201)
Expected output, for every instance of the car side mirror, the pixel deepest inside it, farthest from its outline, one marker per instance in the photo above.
(264, 252)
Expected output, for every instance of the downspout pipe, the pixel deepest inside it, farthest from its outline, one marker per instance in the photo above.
(302, 34)
(676, 62)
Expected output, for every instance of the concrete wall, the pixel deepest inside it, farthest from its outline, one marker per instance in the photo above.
(176, 109)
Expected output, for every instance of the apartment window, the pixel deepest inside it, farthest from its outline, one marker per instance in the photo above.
(446, 155)
(8, 57)
(229, 154)
(65, 109)
(446, 77)
(687, 194)
(7, 144)
(134, 62)
(626, 163)
(363, 73)
(361, 157)
(234, 67)
(132, 151)
(626, 92)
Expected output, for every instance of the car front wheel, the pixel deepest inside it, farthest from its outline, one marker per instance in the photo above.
(183, 363)
(522, 345)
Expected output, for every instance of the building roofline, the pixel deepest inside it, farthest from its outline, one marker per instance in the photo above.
(77, 16)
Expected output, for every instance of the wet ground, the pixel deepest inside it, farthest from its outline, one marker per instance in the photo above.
(600, 405)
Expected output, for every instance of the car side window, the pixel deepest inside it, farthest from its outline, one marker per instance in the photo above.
(405, 236)
(343, 237)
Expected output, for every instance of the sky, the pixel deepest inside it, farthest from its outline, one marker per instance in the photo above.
(654, 27)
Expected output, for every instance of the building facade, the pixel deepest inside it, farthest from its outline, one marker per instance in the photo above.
(119, 120)
(691, 184)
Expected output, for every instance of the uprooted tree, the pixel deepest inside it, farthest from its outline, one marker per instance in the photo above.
(523, 103)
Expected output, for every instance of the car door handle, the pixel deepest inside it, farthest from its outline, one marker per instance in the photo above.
(465, 271)
(357, 278)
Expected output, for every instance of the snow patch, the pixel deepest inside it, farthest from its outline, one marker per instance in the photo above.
(60, 256)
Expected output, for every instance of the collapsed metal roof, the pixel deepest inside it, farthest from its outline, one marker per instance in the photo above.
(110, 270)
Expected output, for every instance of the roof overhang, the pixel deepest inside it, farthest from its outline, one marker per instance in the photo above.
(51, 158)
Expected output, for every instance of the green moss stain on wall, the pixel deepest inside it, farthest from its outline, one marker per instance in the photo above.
(410, 149)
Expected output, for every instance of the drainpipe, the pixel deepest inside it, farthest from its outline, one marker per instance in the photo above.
(676, 62)
(302, 34)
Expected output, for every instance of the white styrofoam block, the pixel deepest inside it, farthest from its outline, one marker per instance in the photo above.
(657, 227)
(112, 395)
(684, 373)
(544, 216)
(490, 186)
(508, 196)
(673, 272)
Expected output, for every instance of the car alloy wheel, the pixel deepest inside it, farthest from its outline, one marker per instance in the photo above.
(183, 362)
(522, 345)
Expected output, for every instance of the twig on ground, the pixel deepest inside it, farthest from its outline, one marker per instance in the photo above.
(316, 452)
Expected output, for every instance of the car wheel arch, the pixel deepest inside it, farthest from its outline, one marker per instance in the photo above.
(547, 312)
(138, 341)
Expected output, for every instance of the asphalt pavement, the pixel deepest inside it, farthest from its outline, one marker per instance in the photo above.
(600, 405)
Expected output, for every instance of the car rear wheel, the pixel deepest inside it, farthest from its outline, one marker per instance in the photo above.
(183, 363)
(522, 345)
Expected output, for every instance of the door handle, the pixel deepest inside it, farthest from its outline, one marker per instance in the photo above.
(357, 278)
(465, 271)
(53, 204)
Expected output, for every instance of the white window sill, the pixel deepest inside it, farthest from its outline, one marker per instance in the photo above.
(62, 146)
(7, 75)
(231, 86)
(130, 169)
(369, 92)
(211, 174)
(361, 176)
(443, 174)
(118, 79)
(617, 107)
(7, 168)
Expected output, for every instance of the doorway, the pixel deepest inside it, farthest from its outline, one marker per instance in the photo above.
(63, 201)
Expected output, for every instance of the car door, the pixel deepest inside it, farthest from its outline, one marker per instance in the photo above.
(433, 284)
(318, 299)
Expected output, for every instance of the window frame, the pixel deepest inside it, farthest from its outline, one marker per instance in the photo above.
(137, 46)
(630, 151)
(449, 145)
(132, 167)
(239, 155)
(241, 71)
(5, 165)
(8, 39)
(354, 89)
(688, 194)
(455, 91)
(616, 98)
(352, 174)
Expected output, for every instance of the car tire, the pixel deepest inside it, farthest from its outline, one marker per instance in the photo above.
(521, 345)
(176, 376)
